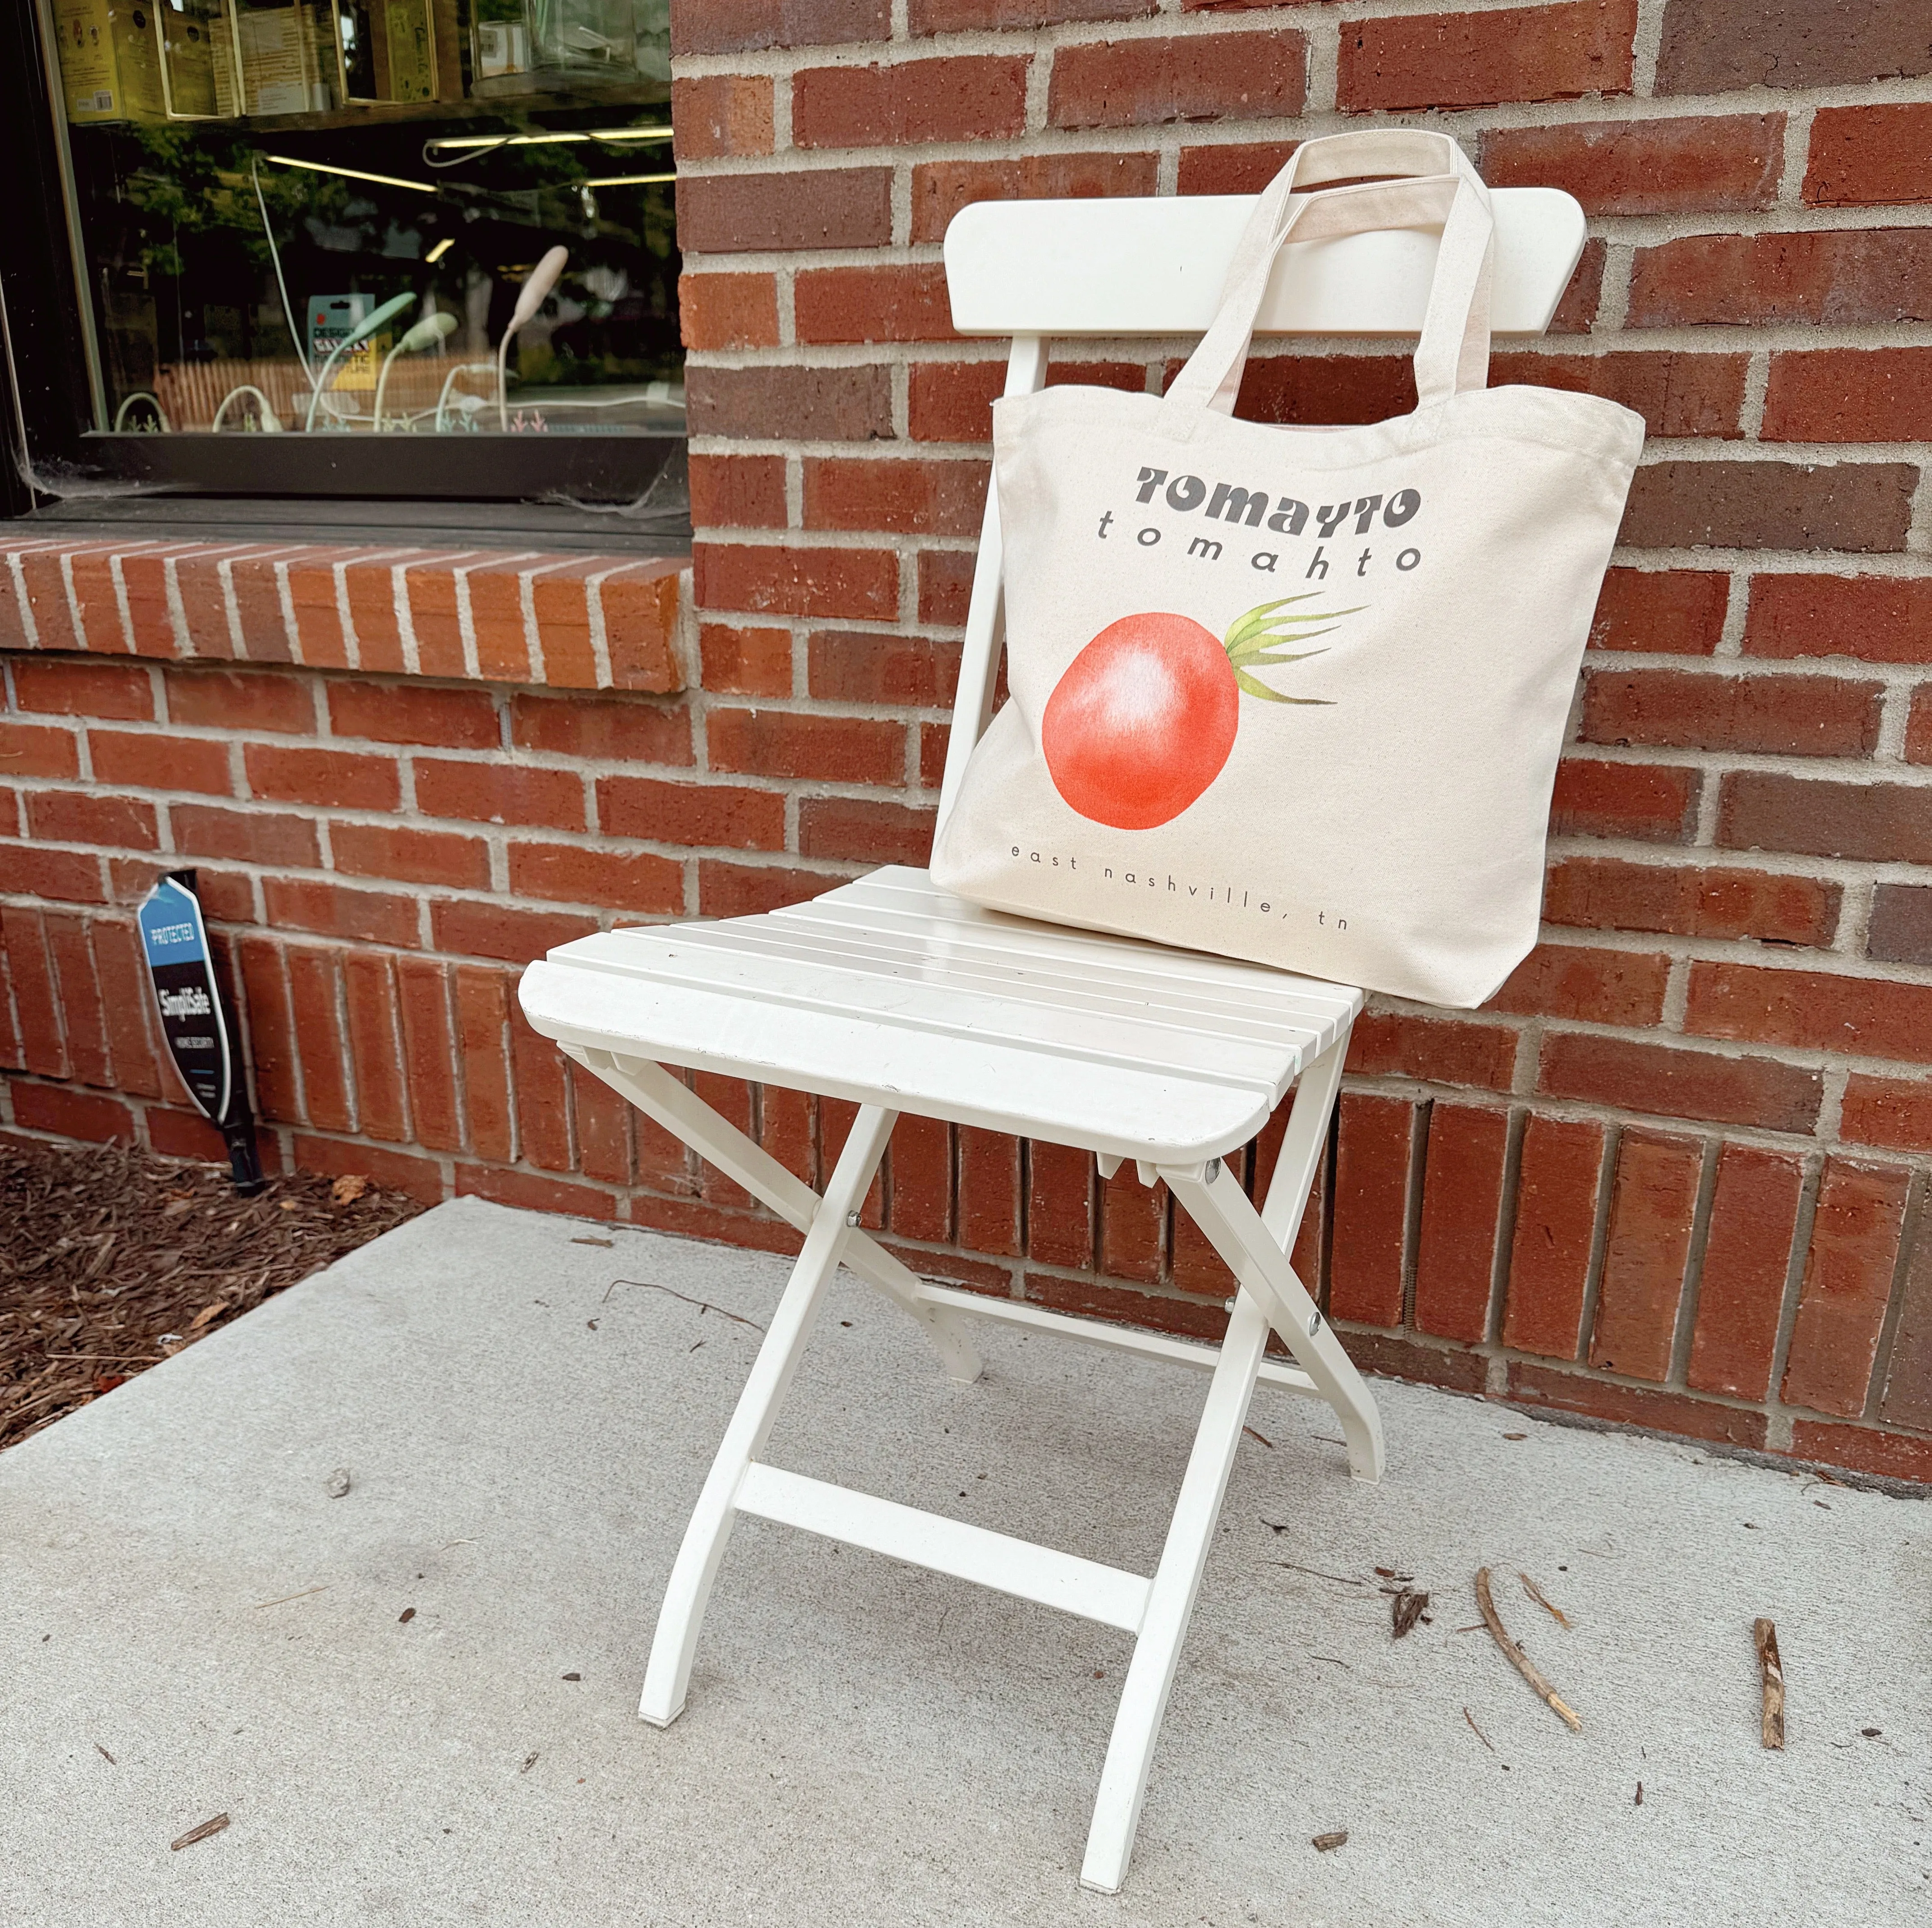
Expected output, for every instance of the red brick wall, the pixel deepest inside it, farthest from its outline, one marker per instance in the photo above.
(1672, 1177)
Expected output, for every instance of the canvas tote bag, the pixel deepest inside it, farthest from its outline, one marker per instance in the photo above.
(1297, 694)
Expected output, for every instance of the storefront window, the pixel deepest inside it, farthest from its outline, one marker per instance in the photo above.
(368, 247)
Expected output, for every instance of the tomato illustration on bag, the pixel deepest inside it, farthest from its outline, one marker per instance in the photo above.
(1144, 718)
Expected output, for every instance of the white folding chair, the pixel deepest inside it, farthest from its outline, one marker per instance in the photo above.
(889, 992)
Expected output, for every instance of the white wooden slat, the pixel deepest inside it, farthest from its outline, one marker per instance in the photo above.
(996, 987)
(1065, 1032)
(939, 953)
(1017, 1566)
(898, 890)
(906, 901)
(1133, 1113)
(988, 974)
(885, 988)
(1093, 1332)
(1155, 266)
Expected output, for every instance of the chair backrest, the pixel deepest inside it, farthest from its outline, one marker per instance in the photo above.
(1031, 270)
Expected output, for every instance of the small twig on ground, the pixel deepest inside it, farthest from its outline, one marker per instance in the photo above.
(1253, 1435)
(1548, 1607)
(1340, 1579)
(703, 1305)
(109, 1358)
(1771, 1668)
(1405, 1610)
(54, 1392)
(1518, 1658)
(105, 1756)
(286, 1598)
(200, 1833)
(1477, 1731)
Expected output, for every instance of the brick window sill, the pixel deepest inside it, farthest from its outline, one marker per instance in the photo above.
(562, 622)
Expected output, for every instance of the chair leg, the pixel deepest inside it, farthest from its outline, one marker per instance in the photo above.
(1302, 1143)
(1221, 1210)
(668, 1677)
(686, 1117)
(1177, 1581)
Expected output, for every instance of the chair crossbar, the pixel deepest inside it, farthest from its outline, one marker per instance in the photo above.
(1124, 1338)
(997, 1560)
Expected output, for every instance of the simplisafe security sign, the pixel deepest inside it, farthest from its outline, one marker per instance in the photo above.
(192, 1019)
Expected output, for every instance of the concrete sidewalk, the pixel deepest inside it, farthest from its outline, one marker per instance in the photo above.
(868, 1743)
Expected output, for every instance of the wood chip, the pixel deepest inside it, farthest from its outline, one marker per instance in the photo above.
(1518, 1658)
(105, 1756)
(1638, 1801)
(1548, 1607)
(1405, 1610)
(1324, 1843)
(349, 1187)
(1253, 1435)
(606, 1243)
(407, 1615)
(1770, 1670)
(201, 1834)
(103, 1246)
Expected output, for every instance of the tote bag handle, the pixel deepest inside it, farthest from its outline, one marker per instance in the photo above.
(1372, 153)
(1453, 352)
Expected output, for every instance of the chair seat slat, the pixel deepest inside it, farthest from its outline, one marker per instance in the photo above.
(950, 1009)
(1134, 1111)
(887, 988)
(988, 974)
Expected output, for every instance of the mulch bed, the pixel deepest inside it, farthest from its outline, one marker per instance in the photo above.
(111, 1260)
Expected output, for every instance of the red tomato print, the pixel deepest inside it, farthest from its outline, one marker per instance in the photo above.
(1141, 722)
(1144, 718)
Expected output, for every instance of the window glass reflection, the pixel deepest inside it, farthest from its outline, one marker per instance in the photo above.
(365, 217)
